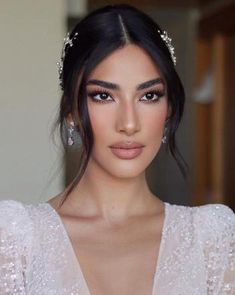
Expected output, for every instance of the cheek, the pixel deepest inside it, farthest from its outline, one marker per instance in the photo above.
(154, 121)
(101, 121)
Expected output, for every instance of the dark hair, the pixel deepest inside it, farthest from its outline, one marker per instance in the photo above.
(98, 34)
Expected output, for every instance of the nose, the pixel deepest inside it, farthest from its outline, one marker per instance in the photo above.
(128, 119)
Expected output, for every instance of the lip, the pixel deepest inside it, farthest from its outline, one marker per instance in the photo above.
(127, 150)
(127, 154)
(127, 145)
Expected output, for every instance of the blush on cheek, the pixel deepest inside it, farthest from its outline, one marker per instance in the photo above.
(97, 118)
(156, 121)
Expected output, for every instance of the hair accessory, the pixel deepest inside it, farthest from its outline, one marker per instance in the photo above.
(67, 41)
(168, 40)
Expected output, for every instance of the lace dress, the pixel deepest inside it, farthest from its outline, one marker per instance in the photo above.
(196, 256)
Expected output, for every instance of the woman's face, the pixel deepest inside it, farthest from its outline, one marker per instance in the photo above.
(127, 105)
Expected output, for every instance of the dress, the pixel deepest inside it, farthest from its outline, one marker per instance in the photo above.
(196, 256)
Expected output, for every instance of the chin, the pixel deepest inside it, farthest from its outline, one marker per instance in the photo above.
(123, 168)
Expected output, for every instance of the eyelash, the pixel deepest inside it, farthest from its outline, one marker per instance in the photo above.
(94, 93)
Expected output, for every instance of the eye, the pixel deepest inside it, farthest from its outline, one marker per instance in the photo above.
(152, 96)
(100, 96)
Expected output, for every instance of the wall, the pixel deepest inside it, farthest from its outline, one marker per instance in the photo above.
(31, 35)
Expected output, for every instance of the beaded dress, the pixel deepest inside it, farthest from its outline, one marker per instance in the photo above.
(196, 256)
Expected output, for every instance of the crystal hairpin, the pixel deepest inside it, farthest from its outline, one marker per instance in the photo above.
(168, 40)
(67, 41)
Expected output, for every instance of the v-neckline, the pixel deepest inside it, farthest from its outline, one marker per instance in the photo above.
(158, 258)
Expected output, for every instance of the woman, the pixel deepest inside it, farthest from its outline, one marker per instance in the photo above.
(107, 233)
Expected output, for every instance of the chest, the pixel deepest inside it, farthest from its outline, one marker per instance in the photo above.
(121, 261)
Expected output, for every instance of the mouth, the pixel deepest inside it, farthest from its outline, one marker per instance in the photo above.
(127, 153)
(127, 145)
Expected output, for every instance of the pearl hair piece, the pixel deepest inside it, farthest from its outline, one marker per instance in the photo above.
(168, 40)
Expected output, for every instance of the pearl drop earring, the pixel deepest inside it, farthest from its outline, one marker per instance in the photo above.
(164, 138)
(71, 135)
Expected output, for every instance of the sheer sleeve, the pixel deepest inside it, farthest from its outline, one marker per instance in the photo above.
(14, 246)
(218, 238)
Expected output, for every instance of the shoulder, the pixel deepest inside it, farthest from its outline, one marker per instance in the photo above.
(15, 214)
(214, 228)
(216, 232)
(211, 221)
(14, 221)
(216, 212)
(15, 245)
(215, 220)
(10, 211)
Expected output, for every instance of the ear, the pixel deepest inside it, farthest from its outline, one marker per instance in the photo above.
(69, 120)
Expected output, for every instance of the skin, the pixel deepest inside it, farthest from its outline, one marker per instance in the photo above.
(112, 188)
(113, 198)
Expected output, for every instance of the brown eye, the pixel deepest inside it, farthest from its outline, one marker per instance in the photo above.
(100, 96)
(152, 96)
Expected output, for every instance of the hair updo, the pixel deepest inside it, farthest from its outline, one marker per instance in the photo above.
(99, 34)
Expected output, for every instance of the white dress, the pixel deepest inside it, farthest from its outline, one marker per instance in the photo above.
(196, 256)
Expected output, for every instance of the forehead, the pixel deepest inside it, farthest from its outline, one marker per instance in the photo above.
(127, 65)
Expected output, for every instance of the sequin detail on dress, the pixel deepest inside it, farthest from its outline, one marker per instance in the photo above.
(197, 252)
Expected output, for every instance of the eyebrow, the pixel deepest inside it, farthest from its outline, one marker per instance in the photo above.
(114, 86)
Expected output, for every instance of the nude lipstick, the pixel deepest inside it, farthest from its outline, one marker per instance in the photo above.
(127, 150)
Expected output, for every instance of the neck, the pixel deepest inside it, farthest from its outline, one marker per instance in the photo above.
(111, 198)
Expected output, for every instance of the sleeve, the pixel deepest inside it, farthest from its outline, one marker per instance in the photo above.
(228, 274)
(13, 248)
(218, 237)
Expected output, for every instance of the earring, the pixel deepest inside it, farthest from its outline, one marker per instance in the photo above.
(164, 138)
(71, 135)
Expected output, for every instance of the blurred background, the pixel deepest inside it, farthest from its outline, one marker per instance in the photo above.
(33, 168)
